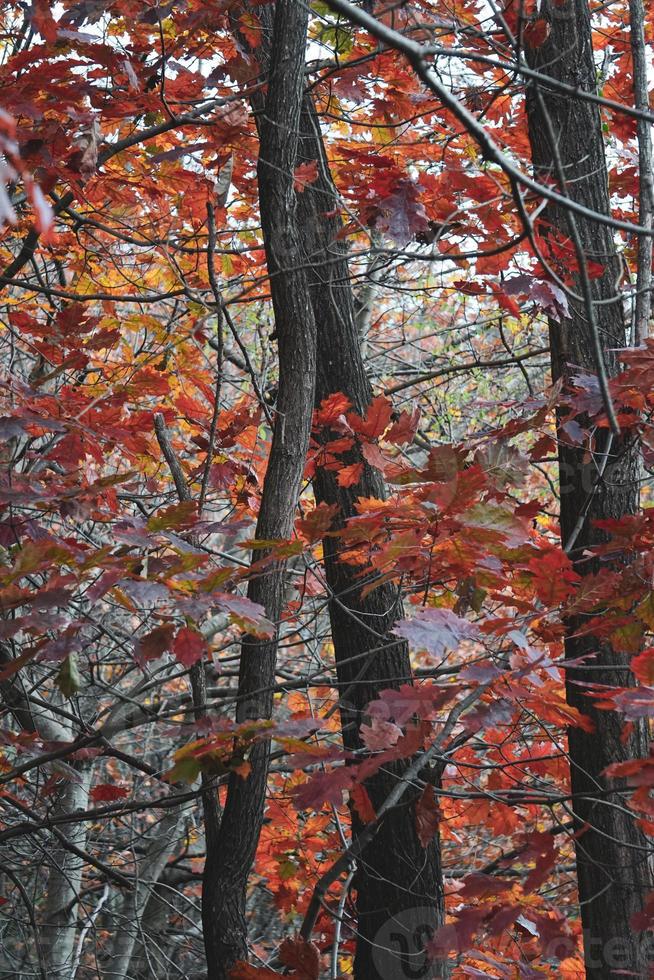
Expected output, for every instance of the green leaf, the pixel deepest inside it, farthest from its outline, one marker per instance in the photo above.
(69, 679)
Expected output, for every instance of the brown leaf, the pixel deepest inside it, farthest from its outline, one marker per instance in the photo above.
(428, 816)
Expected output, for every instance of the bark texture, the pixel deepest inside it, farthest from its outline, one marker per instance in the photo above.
(398, 882)
(227, 872)
(59, 925)
(613, 857)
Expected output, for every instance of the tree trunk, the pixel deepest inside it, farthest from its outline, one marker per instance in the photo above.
(566, 140)
(160, 847)
(398, 882)
(60, 914)
(226, 876)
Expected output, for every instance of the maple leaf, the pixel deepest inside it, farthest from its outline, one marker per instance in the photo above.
(362, 803)
(69, 680)
(177, 516)
(636, 772)
(376, 419)
(536, 33)
(314, 524)
(246, 971)
(457, 936)
(644, 920)
(222, 475)
(408, 700)
(108, 793)
(349, 476)
(324, 787)
(633, 702)
(436, 631)
(404, 428)
(154, 644)
(331, 409)
(189, 646)
(301, 956)
(43, 20)
(380, 735)
(400, 213)
(539, 846)
(499, 522)
(548, 295)
(305, 174)
(245, 613)
(480, 885)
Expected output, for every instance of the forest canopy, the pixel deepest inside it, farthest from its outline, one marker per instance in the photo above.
(326, 519)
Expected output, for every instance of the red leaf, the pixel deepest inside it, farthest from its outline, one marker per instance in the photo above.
(480, 885)
(108, 792)
(537, 33)
(374, 456)
(643, 667)
(302, 957)
(189, 646)
(399, 210)
(362, 803)
(222, 475)
(404, 429)
(350, 475)
(305, 174)
(640, 921)
(376, 421)
(427, 815)
(154, 644)
(43, 20)
(407, 700)
(324, 787)
(540, 846)
(457, 936)
(178, 516)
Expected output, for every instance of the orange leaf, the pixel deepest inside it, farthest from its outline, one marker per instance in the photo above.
(350, 475)
(362, 803)
(319, 520)
(332, 408)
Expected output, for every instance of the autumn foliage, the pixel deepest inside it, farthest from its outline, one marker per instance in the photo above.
(135, 289)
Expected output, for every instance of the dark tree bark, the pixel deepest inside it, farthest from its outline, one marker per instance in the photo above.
(398, 882)
(399, 892)
(613, 856)
(226, 874)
